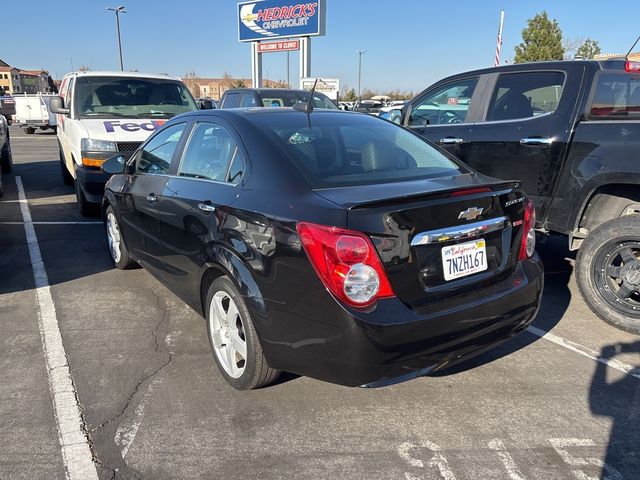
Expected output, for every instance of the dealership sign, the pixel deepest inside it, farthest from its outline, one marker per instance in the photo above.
(329, 86)
(264, 47)
(271, 19)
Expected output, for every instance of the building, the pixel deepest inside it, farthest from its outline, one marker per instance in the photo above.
(215, 87)
(14, 80)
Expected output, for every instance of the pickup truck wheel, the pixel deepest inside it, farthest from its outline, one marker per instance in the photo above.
(6, 158)
(608, 272)
(115, 242)
(67, 178)
(233, 338)
(86, 208)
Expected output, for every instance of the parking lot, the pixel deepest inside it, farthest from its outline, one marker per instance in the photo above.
(559, 401)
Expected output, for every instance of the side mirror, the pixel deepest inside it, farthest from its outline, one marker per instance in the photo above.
(114, 165)
(206, 105)
(56, 105)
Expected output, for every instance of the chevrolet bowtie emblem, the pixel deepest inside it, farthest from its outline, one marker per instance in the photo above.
(470, 213)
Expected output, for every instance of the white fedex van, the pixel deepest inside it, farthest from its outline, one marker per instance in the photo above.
(102, 114)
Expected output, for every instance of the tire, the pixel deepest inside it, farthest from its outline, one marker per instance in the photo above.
(1, 185)
(115, 243)
(29, 130)
(85, 207)
(242, 372)
(6, 157)
(608, 272)
(67, 178)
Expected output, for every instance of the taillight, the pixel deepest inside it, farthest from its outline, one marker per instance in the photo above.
(347, 263)
(630, 66)
(528, 243)
(470, 191)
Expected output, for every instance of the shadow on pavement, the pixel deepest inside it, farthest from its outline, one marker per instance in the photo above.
(620, 401)
(556, 298)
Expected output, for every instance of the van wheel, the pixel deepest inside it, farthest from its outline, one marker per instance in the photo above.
(67, 178)
(86, 208)
(608, 272)
(233, 338)
(6, 158)
(29, 130)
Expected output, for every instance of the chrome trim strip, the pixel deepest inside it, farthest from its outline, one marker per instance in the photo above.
(460, 231)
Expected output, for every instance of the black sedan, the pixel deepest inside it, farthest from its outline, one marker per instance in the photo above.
(329, 244)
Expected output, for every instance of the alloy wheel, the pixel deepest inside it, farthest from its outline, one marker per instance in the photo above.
(227, 334)
(113, 236)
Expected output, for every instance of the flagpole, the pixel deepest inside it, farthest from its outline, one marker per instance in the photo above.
(499, 42)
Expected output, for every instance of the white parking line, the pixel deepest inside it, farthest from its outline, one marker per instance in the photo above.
(585, 351)
(76, 454)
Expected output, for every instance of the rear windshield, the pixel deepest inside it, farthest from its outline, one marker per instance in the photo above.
(104, 97)
(340, 150)
(288, 98)
(616, 95)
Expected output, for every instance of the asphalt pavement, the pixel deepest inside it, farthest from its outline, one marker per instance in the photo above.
(561, 401)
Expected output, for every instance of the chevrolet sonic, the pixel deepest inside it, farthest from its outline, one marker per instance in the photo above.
(329, 244)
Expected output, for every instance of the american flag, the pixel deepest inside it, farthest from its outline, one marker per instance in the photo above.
(499, 44)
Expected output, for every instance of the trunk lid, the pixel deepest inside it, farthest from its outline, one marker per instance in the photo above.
(412, 223)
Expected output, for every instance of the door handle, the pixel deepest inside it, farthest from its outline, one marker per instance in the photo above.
(206, 207)
(451, 140)
(152, 197)
(536, 141)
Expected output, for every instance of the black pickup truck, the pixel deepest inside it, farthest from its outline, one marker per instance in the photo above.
(570, 132)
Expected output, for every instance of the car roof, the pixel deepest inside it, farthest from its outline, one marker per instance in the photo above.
(269, 90)
(252, 111)
(156, 76)
(615, 63)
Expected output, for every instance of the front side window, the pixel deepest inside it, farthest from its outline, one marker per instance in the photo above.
(448, 104)
(212, 154)
(525, 95)
(616, 95)
(132, 97)
(354, 150)
(156, 155)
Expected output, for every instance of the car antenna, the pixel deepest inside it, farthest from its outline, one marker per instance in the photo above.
(307, 107)
(626, 57)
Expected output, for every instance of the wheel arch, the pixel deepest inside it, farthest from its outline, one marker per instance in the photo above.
(224, 262)
(604, 203)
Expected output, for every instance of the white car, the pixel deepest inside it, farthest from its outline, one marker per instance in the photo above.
(392, 113)
(103, 114)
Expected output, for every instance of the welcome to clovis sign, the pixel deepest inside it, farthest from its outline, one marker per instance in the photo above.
(270, 19)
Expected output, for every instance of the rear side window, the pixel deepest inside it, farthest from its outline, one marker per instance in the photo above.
(616, 95)
(212, 154)
(525, 95)
(354, 149)
(156, 155)
(232, 100)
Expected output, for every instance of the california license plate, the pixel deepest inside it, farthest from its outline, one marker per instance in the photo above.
(464, 259)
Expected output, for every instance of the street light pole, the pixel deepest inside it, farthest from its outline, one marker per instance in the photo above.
(118, 11)
(359, 52)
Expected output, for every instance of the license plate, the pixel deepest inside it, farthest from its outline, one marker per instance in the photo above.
(464, 259)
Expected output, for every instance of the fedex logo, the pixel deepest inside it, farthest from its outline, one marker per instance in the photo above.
(150, 126)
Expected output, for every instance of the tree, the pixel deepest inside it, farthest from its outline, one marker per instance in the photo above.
(588, 49)
(191, 81)
(238, 84)
(541, 40)
(348, 94)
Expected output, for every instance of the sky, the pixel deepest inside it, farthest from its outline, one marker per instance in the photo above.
(409, 43)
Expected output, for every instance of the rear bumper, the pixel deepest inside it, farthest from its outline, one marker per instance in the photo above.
(92, 181)
(392, 343)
